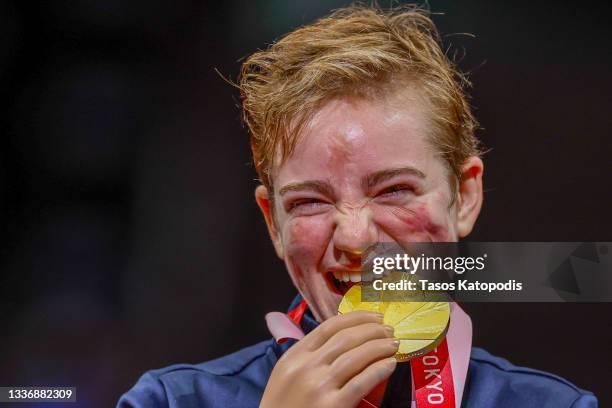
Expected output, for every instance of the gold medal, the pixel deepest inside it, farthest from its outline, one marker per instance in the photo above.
(420, 326)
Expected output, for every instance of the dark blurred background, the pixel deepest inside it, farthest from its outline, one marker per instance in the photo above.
(130, 237)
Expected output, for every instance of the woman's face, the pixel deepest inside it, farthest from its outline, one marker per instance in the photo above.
(361, 173)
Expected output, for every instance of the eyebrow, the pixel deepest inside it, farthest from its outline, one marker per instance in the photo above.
(383, 175)
(370, 181)
(322, 187)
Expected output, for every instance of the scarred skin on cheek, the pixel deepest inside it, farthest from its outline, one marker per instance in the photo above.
(416, 224)
(418, 220)
(302, 233)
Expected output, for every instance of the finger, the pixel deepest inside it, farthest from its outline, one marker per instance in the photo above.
(331, 326)
(354, 361)
(363, 383)
(352, 337)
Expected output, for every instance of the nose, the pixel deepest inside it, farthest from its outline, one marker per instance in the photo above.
(355, 232)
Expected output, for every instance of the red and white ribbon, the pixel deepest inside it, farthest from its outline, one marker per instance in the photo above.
(438, 377)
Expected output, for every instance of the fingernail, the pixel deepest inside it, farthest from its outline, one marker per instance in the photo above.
(389, 330)
(391, 363)
(395, 343)
(379, 316)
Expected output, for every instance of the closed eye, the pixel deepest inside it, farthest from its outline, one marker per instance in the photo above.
(305, 206)
(395, 192)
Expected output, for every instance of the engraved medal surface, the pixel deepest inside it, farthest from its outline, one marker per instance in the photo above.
(420, 326)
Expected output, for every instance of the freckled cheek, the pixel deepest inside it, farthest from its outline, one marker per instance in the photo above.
(413, 223)
(306, 239)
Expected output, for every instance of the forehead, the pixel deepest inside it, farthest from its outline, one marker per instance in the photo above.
(350, 137)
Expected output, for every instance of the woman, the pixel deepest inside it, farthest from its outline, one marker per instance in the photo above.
(361, 132)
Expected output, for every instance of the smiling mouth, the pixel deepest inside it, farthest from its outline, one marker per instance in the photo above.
(341, 281)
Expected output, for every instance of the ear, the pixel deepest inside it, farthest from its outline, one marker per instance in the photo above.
(470, 195)
(265, 205)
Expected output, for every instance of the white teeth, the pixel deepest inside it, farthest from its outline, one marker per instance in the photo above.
(355, 277)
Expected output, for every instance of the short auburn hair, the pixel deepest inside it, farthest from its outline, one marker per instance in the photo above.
(354, 50)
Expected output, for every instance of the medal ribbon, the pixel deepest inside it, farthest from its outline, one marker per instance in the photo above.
(297, 312)
(433, 379)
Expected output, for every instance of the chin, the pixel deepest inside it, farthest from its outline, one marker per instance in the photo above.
(321, 289)
(325, 306)
(324, 295)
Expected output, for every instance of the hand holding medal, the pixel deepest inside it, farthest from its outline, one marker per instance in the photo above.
(335, 365)
(419, 326)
